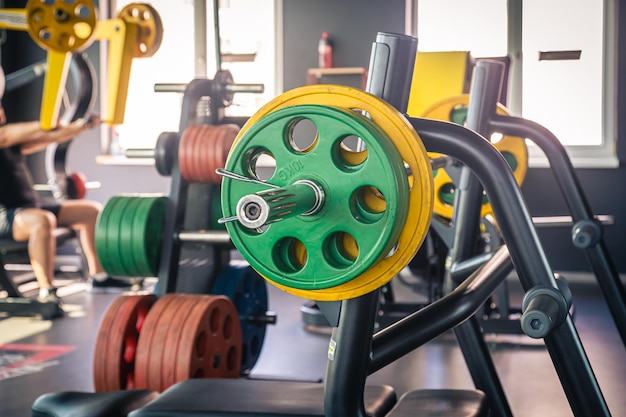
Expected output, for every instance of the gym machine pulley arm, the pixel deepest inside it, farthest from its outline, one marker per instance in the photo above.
(59, 29)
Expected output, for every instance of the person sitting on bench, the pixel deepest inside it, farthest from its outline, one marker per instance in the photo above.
(24, 219)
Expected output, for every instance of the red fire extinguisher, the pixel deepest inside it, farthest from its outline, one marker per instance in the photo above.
(325, 52)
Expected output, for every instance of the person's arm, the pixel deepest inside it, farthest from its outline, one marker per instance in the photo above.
(32, 138)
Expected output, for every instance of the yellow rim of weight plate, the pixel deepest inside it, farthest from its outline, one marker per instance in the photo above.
(73, 32)
(513, 144)
(412, 150)
(150, 28)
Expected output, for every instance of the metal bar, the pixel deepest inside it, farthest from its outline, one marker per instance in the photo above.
(179, 189)
(347, 371)
(466, 222)
(6, 283)
(519, 234)
(245, 88)
(459, 271)
(205, 236)
(139, 153)
(216, 35)
(231, 88)
(170, 87)
(25, 75)
(555, 221)
(557, 156)
(411, 332)
(349, 356)
(605, 270)
(469, 335)
(200, 38)
(388, 78)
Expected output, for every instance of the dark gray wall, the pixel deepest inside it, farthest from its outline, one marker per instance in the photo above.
(352, 26)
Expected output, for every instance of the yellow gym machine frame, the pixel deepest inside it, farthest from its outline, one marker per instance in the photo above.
(63, 27)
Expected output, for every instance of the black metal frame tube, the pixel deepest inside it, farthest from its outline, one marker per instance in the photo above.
(484, 375)
(346, 374)
(349, 357)
(531, 264)
(466, 224)
(411, 332)
(179, 189)
(604, 269)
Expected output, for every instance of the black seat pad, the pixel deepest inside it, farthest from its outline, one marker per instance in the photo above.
(242, 397)
(88, 404)
(441, 403)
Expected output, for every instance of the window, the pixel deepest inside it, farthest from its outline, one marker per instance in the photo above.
(565, 79)
(148, 113)
(248, 52)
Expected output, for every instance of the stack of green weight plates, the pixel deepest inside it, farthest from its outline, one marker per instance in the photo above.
(128, 235)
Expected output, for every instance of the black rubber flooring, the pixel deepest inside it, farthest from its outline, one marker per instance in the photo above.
(293, 352)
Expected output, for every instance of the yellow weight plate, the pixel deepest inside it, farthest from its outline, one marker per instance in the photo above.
(150, 28)
(412, 150)
(514, 148)
(61, 26)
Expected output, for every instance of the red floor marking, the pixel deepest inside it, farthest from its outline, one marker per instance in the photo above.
(21, 359)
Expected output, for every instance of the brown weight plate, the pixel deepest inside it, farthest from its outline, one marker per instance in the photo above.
(185, 152)
(169, 322)
(230, 139)
(206, 136)
(212, 342)
(203, 149)
(196, 155)
(167, 370)
(116, 342)
(147, 339)
(99, 358)
(216, 145)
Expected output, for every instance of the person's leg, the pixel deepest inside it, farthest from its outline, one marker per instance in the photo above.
(36, 226)
(82, 216)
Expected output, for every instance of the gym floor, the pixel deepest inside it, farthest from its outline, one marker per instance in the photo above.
(293, 352)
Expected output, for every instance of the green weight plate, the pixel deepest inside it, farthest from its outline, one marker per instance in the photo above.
(107, 253)
(118, 224)
(147, 224)
(100, 234)
(126, 238)
(309, 252)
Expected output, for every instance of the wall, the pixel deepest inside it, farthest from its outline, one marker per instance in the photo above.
(351, 24)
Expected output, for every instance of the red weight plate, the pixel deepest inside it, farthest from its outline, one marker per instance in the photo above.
(76, 186)
(168, 323)
(167, 370)
(203, 149)
(203, 152)
(149, 336)
(233, 131)
(100, 360)
(211, 343)
(185, 152)
(116, 342)
(197, 158)
(220, 146)
(215, 145)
